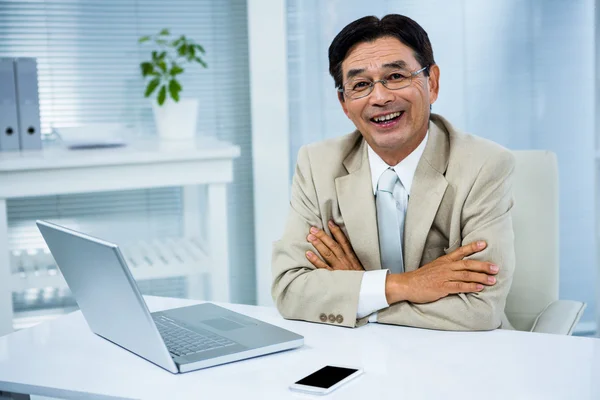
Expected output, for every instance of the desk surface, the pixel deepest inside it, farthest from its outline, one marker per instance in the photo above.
(62, 358)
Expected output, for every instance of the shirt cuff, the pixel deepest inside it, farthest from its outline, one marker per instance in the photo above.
(371, 297)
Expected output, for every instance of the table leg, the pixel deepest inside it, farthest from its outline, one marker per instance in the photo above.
(6, 306)
(192, 228)
(217, 240)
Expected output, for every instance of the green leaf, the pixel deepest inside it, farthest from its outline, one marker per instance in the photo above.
(200, 48)
(174, 89)
(176, 70)
(161, 41)
(182, 50)
(152, 85)
(191, 53)
(175, 85)
(162, 65)
(201, 62)
(177, 42)
(162, 55)
(164, 32)
(162, 95)
(143, 39)
(154, 55)
(147, 68)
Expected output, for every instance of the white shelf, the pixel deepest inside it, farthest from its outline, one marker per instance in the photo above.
(159, 259)
(148, 151)
(141, 165)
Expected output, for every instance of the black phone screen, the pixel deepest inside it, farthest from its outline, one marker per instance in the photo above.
(326, 377)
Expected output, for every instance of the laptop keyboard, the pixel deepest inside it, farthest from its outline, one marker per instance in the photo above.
(182, 341)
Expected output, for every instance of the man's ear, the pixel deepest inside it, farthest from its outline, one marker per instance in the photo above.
(343, 103)
(434, 83)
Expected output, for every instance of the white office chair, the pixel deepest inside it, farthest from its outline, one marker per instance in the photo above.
(532, 303)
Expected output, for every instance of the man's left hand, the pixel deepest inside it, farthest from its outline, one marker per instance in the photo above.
(337, 252)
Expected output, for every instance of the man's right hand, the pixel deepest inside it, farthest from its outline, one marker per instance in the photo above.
(449, 274)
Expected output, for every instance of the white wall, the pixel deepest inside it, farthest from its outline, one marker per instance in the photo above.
(597, 126)
(270, 138)
(564, 72)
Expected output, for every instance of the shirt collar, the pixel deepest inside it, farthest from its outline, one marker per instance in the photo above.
(405, 168)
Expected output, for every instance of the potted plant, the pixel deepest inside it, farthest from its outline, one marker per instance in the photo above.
(175, 117)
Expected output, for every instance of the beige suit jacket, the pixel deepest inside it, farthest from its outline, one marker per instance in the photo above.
(461, 192)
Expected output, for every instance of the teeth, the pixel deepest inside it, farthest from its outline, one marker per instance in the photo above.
(386, 117)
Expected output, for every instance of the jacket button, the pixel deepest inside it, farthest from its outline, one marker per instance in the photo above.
(331, 318)
(339, 319)
(323, 318)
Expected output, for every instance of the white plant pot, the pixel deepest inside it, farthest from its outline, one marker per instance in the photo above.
(176, 121)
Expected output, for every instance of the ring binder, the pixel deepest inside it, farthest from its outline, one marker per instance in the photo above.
(28, 108)
(9, 123)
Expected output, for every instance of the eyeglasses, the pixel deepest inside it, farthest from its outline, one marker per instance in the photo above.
(359, 88)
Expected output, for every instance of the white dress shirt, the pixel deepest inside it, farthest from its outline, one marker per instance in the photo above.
(372, 289)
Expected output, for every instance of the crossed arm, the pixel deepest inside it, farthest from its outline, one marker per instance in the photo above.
(459, 291)
(449, 274)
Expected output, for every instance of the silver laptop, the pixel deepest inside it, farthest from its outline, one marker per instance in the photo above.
(178, 340)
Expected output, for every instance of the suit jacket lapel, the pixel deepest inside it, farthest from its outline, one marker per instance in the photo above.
(357, 205)
(427, 191)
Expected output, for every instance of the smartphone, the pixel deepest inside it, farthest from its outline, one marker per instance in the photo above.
(326, 380)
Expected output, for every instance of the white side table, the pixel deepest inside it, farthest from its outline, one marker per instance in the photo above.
(141, 164)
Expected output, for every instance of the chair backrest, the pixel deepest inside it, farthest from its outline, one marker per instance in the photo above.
(535, 222)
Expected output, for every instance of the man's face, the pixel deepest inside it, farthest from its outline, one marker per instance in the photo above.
(393, 139)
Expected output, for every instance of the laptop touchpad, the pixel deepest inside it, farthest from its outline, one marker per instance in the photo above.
(222, 324)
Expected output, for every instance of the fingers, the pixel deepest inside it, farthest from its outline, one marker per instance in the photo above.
(323, 250)
(475, 266)
(454, 287)
(331, 244)
(473, 277)
(316, 261)
(467, 250)
(337, 252)
(341, 238)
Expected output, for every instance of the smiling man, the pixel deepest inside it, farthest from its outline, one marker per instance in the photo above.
(405, 221)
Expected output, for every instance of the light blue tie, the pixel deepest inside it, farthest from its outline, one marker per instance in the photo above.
(391, 202)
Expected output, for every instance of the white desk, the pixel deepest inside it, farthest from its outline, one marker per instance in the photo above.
(62, 358)
(140, 165)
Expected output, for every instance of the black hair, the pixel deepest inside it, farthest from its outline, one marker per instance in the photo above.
(368, 29)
